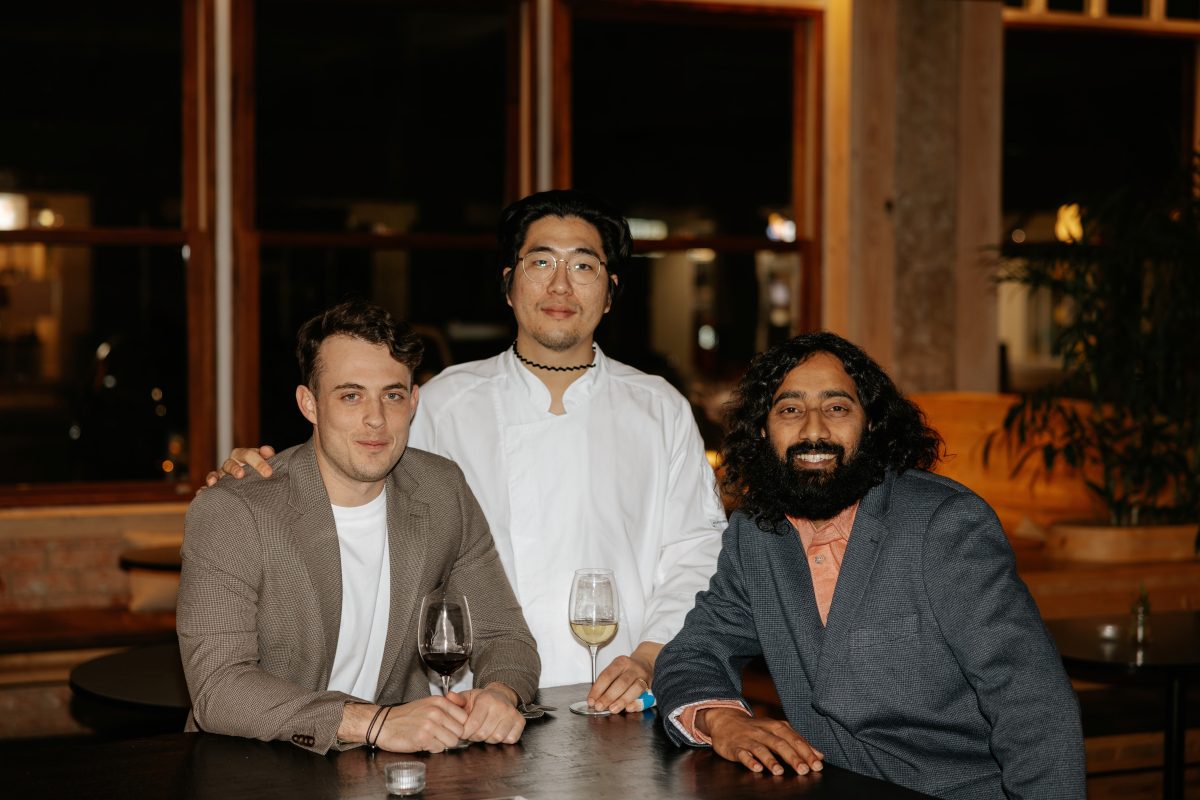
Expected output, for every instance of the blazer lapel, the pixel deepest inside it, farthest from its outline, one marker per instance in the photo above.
(794, 589)
(408, 545)
(855, 575)
(315, 534)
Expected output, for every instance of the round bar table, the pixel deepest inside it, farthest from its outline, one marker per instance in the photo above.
(149, 676)
(1103, 649)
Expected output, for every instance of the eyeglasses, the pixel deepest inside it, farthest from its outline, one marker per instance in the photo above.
(581, 269)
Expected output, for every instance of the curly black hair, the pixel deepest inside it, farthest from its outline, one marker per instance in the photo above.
(897, 436)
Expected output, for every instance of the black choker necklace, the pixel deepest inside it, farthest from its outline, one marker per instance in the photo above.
(536, 365)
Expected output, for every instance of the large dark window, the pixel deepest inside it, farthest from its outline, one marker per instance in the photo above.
(99, 392)
(373, 145)
(95, 363)
(452, 296)
(1089, 118)
(383, 144)
(91, 109)
(693, 133)
(1087, 114)
(692, 121)
(380, 117)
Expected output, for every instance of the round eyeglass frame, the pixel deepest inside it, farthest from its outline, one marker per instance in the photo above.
(545, 276)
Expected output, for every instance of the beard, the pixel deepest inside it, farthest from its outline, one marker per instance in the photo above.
(558, 341)
(814, 494)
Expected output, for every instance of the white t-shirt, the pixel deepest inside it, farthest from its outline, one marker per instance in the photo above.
(366, 597)
(618, 481)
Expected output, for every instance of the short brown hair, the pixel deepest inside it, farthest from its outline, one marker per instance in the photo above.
(358, 319)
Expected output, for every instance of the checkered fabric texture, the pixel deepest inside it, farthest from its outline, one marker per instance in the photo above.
(260, 597)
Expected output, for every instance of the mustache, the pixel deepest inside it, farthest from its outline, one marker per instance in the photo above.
(803, 448)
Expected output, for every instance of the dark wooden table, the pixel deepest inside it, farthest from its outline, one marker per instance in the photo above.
(149, 676)
(560, 756)
(1102, 648)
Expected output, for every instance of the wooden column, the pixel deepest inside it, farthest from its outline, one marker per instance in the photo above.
(912, 194)
(980, 146)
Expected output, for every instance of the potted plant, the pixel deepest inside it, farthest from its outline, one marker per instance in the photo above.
(1125, 412)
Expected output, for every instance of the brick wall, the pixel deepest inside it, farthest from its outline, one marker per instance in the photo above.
(67, 557)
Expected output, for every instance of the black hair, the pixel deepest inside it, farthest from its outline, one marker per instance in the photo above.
(896, 435)
(608, 222)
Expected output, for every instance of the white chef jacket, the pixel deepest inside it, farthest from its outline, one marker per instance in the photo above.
(618, 481)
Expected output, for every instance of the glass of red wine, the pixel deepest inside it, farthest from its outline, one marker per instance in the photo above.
(444, 635)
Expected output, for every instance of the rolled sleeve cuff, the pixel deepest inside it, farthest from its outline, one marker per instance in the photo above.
(684, 718)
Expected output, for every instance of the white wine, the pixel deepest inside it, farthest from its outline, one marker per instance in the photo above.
(599, 632)
(592, 613)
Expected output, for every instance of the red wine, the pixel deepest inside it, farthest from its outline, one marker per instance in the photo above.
(445, 663)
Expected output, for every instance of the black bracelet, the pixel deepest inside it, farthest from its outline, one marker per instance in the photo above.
(371, 724)
(374, 742)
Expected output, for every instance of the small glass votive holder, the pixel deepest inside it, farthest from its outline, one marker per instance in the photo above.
(405, 777)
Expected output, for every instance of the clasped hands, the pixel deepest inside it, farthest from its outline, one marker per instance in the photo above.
(433, 724)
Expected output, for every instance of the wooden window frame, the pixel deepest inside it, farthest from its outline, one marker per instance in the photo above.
(1095, 16)
(195, 233)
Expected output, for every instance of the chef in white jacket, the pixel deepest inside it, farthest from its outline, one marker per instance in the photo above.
(577, 460)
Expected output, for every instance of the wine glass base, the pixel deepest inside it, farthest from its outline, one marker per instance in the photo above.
(463, 744)
(584, 710)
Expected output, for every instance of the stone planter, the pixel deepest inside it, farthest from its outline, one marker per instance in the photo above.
(1091, 541)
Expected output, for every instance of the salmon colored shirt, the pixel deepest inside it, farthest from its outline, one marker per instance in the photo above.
(824, 547)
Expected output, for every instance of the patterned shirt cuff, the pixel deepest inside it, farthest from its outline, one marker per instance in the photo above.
(684, 717)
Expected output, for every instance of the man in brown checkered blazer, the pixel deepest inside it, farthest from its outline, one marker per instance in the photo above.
(300, 595)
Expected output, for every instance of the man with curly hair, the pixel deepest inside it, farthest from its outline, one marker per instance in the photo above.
(883, 598)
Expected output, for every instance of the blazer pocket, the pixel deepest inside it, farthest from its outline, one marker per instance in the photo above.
(893, 631)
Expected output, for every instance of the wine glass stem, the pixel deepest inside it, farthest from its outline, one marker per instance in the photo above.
(593, 648)
(445, 684)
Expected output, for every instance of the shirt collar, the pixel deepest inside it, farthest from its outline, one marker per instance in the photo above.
(577, 393)
(837, 528)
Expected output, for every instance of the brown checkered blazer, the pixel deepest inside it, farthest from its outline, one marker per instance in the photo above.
(260, 597)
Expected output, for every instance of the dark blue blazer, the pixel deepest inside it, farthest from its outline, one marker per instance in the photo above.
(934, 670)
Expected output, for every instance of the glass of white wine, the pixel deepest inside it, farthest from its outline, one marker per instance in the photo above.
(593, 612)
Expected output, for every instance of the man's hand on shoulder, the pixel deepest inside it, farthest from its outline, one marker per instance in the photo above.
(492, 715)
(758, 743)
(239, 459)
